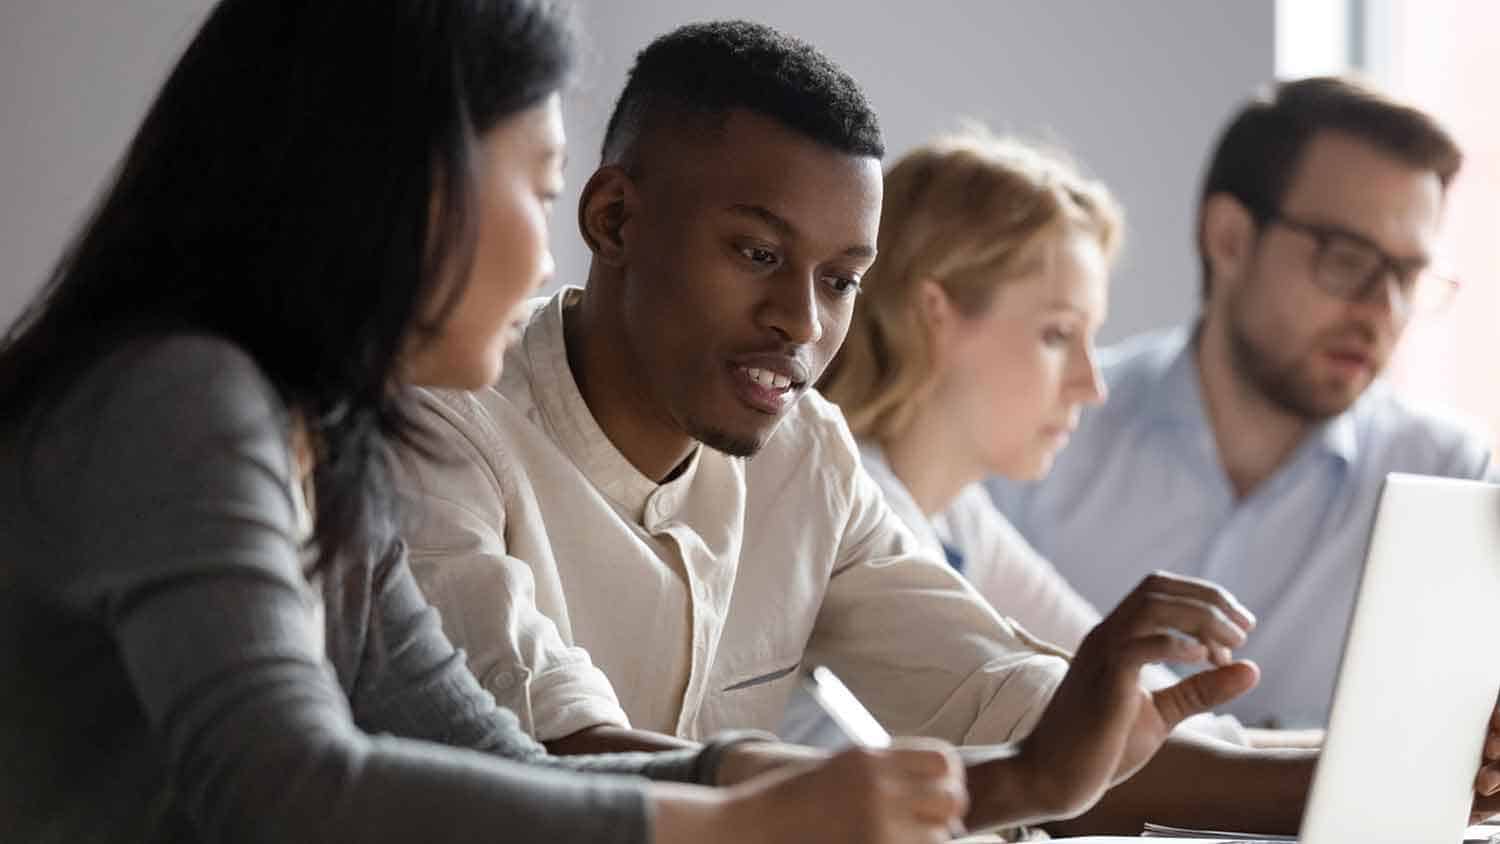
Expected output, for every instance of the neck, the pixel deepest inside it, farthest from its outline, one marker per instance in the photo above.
(609, 383)
(1254, 436)
(927, 460)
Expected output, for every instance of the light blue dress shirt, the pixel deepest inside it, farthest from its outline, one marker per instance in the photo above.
(1141, 488)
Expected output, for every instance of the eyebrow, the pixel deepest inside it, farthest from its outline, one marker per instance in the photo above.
(786, 229)
(1421, 260)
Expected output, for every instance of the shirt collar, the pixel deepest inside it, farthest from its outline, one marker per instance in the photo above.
(577, 431)
(1178, 400)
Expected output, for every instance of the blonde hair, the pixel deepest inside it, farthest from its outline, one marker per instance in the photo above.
(962, 211)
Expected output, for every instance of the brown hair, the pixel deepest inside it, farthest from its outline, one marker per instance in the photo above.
(1260, 149)
(963, 211)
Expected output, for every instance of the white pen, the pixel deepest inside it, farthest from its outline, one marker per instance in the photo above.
(852, 718)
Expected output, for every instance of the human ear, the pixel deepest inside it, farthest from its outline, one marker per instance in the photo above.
(604, 209)
(939, 319)
(1227, 236)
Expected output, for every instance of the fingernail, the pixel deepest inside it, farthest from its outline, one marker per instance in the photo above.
(1220, 655)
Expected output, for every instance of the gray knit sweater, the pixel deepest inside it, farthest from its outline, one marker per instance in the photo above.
(167, 672)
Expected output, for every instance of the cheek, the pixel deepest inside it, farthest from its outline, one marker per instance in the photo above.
(835, 329)
(512, 256)
(1283, 307)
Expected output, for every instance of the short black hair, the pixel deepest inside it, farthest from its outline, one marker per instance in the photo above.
(1262, 146)
(703, 70)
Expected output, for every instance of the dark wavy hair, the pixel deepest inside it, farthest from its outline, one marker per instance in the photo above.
(702, 70)
(301, 186)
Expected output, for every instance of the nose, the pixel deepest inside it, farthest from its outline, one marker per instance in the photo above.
(547, 267)
(1384, 297)
(790, 307)
(1090, 384)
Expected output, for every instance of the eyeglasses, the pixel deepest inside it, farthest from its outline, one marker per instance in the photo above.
(1349, 266)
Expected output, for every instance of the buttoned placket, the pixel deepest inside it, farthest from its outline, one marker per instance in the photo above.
(660, 521)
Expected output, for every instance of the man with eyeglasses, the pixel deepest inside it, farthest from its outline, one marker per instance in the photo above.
(1250, 447)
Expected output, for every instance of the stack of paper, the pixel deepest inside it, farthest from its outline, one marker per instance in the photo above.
(1481, 834)
(1156, 830)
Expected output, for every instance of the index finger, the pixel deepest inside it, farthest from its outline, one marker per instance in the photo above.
(1201, 590)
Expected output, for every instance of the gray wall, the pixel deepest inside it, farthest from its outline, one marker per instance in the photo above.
(76, 76)
(1134, 89)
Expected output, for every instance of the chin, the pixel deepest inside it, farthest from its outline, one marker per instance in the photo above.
(476, 377)
(735, 441)
(1032, 467)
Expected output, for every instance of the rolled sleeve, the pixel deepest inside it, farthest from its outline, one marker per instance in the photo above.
(487, 597)
(925, 652)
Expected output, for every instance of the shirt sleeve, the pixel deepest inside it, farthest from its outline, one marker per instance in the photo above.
(414, 683)
(456, 529)
(916, 643)
(171, 483)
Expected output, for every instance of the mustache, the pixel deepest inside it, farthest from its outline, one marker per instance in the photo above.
(1353, 333)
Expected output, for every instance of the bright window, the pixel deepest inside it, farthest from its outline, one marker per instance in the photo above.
(1440, 55)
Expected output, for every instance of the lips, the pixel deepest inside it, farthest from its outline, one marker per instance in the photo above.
(768, 383)
(1351, 359)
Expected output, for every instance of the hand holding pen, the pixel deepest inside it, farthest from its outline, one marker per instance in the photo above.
(856, 722)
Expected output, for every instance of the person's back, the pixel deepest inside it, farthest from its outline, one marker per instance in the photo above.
(1250, 447)
(160, 668)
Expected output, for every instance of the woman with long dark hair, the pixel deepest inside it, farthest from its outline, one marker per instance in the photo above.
(207, 627)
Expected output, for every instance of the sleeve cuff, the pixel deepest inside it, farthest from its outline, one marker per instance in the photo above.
(572, 698)
(1019, 703)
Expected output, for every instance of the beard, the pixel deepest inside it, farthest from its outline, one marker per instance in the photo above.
(720, 440)
(1288, 384)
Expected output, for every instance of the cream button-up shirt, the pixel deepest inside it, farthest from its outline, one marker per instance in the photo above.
(585, 593)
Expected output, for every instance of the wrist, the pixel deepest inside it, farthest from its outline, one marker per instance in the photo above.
(750, 759)
(732, 756)
(1008, 787)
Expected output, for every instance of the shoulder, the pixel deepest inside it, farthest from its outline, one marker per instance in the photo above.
(472, 416)
(1141, 360)
(814, 434)
(974, 517)
(165, 440)
(1412, 435)
(474, 440)
(174, 389)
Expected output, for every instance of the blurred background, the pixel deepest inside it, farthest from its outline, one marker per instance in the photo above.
(1135, 90)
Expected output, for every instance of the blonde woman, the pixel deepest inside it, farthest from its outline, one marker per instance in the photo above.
(971, 353)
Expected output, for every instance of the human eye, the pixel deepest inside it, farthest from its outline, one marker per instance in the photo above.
(1056, 335)
(758, 255)
(1410, 274)
(1349, 259)
(842, 285)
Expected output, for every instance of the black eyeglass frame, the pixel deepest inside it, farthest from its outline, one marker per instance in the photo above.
(1413, 277)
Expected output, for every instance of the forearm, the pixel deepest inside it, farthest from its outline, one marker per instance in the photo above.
(728, 759)
(1001, 792)
(605, 738)
(688, 815)
(1199, 783)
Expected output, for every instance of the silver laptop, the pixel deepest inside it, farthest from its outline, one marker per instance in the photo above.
(1420, 670)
